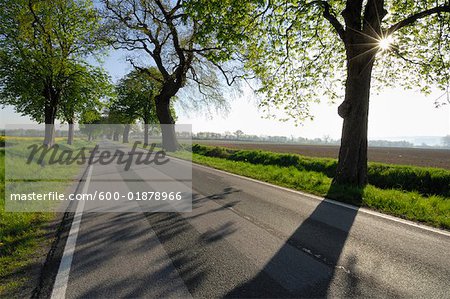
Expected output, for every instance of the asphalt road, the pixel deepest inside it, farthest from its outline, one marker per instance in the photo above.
(249, 239)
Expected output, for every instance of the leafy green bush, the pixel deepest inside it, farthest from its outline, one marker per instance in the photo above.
(209, 151)
(326, 166)
(427, 181)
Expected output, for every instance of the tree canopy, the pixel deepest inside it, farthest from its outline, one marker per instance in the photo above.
(301, 47)
(85, 90)
(303, 51)
(174, 37)
(43, 50)
(136, 96)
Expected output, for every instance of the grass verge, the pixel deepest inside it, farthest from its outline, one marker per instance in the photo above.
(425, 180)
(433, 210)
(22, 234)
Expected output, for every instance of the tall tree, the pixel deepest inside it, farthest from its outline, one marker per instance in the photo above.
(136, 98)
(167, 33)
(306, 50)
(83, 91)
(91, 123)
(42, 43)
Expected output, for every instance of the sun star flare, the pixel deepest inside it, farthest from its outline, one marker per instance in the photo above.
(385, 43)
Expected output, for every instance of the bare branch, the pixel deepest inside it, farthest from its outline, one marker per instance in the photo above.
(201, 50)
(420, 15)
(145, 70)
(173, 31)
(331, 17)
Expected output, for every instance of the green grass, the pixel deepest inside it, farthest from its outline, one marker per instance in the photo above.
(426, 181)
(23, 233)
(432, 209)
(20, 235)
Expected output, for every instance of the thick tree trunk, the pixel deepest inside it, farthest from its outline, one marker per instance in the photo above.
(167, 122)
(50, 108)
(49, 118)
(352, 164)
(126, 133)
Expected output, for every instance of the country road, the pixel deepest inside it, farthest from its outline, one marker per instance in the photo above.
(244, 239)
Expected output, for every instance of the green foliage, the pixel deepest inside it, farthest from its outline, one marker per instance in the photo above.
(84, 92)
(420, 179)
(90, 121)
(427, 181)
(136, 97)
(224, 24)
(295, 50)
(43, 47)
(173, 36)
(209, 151)
(23, 234)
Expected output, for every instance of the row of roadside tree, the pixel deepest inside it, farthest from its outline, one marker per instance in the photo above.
(295, 52)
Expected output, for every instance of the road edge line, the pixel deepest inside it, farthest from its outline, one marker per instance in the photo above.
(331, 201)
(62, 277)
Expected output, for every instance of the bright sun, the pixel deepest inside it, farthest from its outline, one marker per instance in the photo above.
(385, 43)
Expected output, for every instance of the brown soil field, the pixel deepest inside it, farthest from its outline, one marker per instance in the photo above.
(439, 158)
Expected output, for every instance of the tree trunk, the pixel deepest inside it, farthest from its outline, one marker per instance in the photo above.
(50, 108)
(126, 133)
(70, 133)
(169, 139)
(145, 133)
(116, 135)
(49, 118)
(352, 164)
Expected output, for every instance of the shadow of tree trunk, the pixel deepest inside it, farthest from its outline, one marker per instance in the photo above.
(306, 264)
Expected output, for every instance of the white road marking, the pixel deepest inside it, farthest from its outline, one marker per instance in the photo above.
(331, 201)
(62, 278)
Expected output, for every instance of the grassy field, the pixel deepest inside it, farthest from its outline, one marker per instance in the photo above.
(23, 234)
(421, 203)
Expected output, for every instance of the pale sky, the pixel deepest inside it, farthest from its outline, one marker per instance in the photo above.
(393, 113)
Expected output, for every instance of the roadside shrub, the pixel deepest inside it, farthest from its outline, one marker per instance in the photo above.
(217, 152)
(424, 180)
(427, 181)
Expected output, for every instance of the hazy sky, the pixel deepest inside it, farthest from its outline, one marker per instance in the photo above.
(393, 113)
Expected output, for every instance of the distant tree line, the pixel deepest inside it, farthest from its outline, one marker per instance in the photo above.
(325, 140)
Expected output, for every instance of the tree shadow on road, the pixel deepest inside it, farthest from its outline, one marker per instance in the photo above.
(306, 264)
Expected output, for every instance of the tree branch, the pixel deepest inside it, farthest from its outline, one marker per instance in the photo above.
(331, 17)
(144, 70)
(374, 14)
(420, 15)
